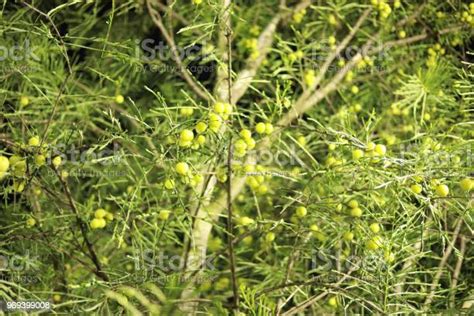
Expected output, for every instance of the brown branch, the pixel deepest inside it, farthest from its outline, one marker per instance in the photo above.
(199, 90)
(82, 226)
(442, 263)
(310, 301)
(457, 269)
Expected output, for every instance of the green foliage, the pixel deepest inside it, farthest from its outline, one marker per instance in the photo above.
(352, 184)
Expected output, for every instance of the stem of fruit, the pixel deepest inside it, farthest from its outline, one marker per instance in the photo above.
(199, 90)
(230, 217)
(82, 226)
(457, 269)
(442, 263)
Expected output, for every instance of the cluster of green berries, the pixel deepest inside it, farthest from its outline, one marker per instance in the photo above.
(251, 45)
(101, 217)
(298, 16)
(433, 53)
(468, 15)
(440, 189)
(384, 8)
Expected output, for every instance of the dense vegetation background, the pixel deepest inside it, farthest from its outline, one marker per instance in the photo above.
(237, 157)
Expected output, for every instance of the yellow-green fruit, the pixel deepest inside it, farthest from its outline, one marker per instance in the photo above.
(186, 135)
(19, 186)
(30, 222)
(269, 237)
(24, 101)
(250, 143)
(169, 184)
(268, 128)
(355, 89)
(57, 161)
(309, 78)
(248, 240)
(164, 215)
(100, 213)
(416, 188)
(219, 107)
(301, 211)
(57, 298)
(442, 190)
(34, 141)
(119, 99)
(262, 189)
(4, 163)
(389, 256)
(201, 127)
(197, 2)
(182, 168)
(260, 128)
(246, 134)
(348, 236)
(301, 140)
(356, 212)
(314, 228)
(97, 223)
(332, 301)
(245, 221)
(109, 216)
(375, 228)
(240, 145)
(40, 160)
(201, 139)
(380, 149)
(186, 111)
(215, 122)
(222, 284)
(357, 154)
(374, 243)
(353, 204)
(466, 184)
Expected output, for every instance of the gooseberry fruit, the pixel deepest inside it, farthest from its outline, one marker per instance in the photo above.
(100, 213)
(34, 141)
(353, 204)
(375, 228)
(356, 212)
(442, 190)
(357, 154)
(57, 161)
(24, 100)
(182, 168)
(301, 211)
(416, 188)
(260, 128)
(269, 237)
(201, 127)
(164, 215)
(186, 111)
(466, 184)
(30, 222)
(119, 99)
(348, 236)
(97, 223)
(169, 184)
(4, 163)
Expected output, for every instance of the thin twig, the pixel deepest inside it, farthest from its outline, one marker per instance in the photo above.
(457, 269)
(199, 90)
(82, 226)
(442, 263)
